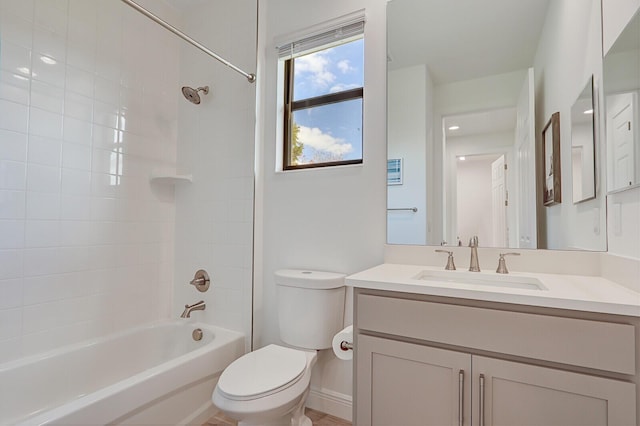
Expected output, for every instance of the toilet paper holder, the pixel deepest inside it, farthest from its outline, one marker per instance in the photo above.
(346, 346)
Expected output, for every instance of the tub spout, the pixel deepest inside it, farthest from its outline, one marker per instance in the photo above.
(199, 306)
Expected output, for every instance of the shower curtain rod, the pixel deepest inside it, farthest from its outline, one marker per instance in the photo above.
(250, 77)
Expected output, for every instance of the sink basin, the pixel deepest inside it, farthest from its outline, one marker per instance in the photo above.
(473, 278)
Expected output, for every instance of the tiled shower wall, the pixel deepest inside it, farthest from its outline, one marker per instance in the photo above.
(88, 111)
(214, 215)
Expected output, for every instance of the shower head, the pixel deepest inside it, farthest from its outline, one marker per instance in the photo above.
(192, 94)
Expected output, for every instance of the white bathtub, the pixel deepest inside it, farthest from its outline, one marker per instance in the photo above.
(152, 375)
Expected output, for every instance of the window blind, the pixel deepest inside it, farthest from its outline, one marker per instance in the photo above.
(339, 33)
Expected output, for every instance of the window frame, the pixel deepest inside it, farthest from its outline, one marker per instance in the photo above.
(291, 106)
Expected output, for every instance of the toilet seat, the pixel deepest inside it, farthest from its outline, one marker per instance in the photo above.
(262, 372)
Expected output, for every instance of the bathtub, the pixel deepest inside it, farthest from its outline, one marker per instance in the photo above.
(152, 375)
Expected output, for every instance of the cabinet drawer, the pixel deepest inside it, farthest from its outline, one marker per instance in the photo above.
(591, 344)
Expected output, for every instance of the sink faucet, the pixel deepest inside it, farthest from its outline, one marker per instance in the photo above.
(199, 306)
(474, 266)
(502, 265)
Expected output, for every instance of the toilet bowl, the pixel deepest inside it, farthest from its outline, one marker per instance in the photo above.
(269, 386)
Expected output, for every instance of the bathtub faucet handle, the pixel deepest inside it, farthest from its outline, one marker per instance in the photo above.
(198, 306)
(201, 280)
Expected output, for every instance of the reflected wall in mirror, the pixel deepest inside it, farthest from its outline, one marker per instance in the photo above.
(621, 86)
(583, 142)
(475, 80)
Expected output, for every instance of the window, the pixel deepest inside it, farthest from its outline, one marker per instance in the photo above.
(323, 99)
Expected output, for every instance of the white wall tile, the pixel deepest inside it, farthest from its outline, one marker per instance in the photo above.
(13, 175)
(74, 208)
(42, 233)
(15, 29)
(23, 8)
(41, 261)
(11, 262)
(105, 114)
(12, 232)
(46, 42)
(78, 106)
(45, 151)
(43, 178)
(83, 11)
(14, 146)
(76, 156)
(78, 131)
(78, 219)
(48, 339)
(46, 96)
(51, 15)
(45, 123)
(79, 81)
(103, 209)
(10, 323)
(107, 91)
(75, 233)
(13, 116)
(12, 204)
(14, 87)
(42, 205)
(76, 182)
(10, 293)
(82, 55)
(15, 58)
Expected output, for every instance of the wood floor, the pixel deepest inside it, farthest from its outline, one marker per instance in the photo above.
(318, 419)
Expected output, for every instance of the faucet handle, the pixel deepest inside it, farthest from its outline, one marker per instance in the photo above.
(201, 280)
(502, 264)
(450, 265)
(473, 241)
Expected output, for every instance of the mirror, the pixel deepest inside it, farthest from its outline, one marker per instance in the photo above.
(583, 145)
(465, 109)
(621, 87)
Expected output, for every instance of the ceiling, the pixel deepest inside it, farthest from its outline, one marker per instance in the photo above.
(464, 39)
(493, 121)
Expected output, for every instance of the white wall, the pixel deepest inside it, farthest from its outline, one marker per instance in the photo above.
(214, 214)
(86, 243)
(409, 133)
(327, 219)
(568, 53)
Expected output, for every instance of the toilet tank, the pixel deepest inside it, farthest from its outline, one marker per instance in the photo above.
(310, 307)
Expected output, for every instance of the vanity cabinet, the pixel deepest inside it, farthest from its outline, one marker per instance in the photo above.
(436, 361)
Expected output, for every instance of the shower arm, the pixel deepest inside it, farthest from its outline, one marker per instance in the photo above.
(250, 77)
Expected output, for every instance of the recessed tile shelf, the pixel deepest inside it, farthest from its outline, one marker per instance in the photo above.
(171, 179)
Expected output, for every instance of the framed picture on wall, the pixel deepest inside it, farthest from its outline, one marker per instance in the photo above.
(551, 154)
(394, 171)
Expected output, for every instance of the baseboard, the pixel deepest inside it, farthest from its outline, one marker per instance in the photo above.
(330, 402)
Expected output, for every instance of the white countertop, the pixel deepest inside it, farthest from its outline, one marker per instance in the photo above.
(575, 292)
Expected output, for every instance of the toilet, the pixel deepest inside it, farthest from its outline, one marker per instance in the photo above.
(269, 386)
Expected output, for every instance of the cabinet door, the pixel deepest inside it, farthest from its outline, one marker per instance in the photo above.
(399, 383)
(520, 394)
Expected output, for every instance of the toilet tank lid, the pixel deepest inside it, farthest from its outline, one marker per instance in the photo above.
(309, 279)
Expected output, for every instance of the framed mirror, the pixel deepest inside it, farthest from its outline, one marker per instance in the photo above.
(583, 145)
(470, 87)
